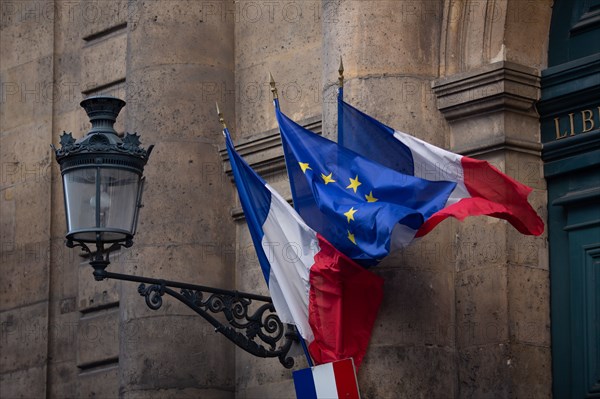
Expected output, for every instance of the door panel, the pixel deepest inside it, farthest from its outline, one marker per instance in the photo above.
(570, 131)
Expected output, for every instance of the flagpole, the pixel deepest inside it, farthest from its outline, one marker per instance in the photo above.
(304, 348)
(222, 121)
(276, 103)
(340, 99)
(341, 73)
(274, 91)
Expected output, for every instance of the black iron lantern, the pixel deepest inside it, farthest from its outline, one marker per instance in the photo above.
(103, 181)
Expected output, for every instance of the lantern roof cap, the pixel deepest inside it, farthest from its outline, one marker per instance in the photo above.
(102, 137)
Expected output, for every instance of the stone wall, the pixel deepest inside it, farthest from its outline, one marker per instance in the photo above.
(466, 309)
(176, 53)
(26, 75)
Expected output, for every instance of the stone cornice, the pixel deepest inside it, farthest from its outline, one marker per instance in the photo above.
(264, 152)
(499, 86)
(501, 144)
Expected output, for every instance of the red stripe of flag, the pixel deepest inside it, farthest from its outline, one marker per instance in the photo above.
(344, 299)
(345, 379)
(493, 194)
(509, 197)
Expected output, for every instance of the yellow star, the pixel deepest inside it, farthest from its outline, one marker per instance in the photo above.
(327, 179)
(350, 214)
(370, 197)
(351, 238)
(304, 166)
(354, 183)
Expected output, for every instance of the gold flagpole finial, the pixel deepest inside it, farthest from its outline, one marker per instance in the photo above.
(273, 88)
(221, 117)
(341, 72)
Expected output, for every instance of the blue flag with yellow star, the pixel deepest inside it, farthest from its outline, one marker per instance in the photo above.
(362, 207)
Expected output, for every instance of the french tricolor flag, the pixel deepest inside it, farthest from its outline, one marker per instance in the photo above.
(328, 381)
(481, 189)
(332, 301)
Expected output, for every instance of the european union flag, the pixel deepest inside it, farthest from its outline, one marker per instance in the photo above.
(362, 207)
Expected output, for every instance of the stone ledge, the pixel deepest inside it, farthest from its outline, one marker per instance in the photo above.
(500, 86)
(501, 144)
(264, 152)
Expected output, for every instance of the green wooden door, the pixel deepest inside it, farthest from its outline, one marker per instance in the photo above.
(570, 124)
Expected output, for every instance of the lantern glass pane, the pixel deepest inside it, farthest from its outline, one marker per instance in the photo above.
(118, 199)
(101, 203)
(80, 189)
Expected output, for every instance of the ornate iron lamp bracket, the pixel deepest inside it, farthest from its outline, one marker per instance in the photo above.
(102, 164)
(264, 334)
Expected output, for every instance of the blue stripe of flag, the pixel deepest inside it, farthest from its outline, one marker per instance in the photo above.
(255, 199)
(375, 141)
(304, 384)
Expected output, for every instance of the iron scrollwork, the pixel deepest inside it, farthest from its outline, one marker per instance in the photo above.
(262, 329)
(153, 295)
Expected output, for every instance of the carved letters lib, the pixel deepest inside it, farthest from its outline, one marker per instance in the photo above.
(566, 126)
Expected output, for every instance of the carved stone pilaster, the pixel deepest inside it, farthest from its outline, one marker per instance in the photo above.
(498, 86)
(491, 108)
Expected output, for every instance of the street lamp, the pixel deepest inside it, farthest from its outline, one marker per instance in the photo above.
(103, 181)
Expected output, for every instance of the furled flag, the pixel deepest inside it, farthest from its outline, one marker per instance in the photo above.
(363, 208)
(335, 380)
(332, 301)
(481, 189)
